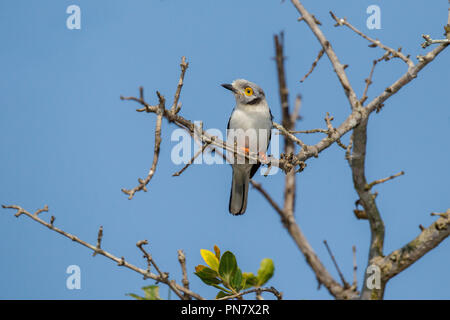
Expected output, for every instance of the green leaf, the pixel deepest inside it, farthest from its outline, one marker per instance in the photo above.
(151, 292)
(135, 296)
(207, 275)
(265, 272)
(250, 280)
(222, 294)
(222, 288)
(227, 266)
(210, 259)
(236, 280)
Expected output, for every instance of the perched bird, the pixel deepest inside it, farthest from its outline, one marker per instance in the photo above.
(251, 119)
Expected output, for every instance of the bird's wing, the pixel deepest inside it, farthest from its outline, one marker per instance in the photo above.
(229, 119)
(256, 166)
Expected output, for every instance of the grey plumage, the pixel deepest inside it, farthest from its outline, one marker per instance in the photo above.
(251, 114)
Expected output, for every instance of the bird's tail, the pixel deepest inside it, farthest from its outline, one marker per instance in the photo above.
(239, 191)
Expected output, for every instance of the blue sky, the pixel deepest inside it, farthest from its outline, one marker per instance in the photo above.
(67, 140)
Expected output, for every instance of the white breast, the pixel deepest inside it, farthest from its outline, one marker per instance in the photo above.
(253, 117)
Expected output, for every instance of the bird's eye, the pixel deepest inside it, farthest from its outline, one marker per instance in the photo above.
(248, 91)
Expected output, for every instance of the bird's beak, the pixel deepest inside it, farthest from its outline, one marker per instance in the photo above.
(229, 87)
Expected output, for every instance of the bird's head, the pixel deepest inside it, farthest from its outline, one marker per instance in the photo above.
(245, 92)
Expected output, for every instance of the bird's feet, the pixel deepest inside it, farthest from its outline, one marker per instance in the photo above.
(263, 156)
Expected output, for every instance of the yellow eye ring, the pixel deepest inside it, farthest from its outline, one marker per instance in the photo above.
(248, 91)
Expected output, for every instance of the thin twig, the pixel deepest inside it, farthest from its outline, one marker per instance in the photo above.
(120, 261)
(313, 66)
(429, 41)
(338, 67)
(266, 195)
(346, 285)
(310, 131)
(370, 185)
(375, 43)
(368, 81)
(285, 132)
(272, 290)
(295, 115)
(143, 183)
(99, 241)
(175, 106)
(176, 174)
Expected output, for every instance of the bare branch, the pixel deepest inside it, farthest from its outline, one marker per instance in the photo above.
(375, 43)
(176, 174)
(45, 209)
(345, 283)
(321, 52)
(185, 281)
(368, 82)
(429, 41)
(175, 106)
(287, 213)
(266, 195)
(310, 131)
(143, 183)
(99, 241)
(402, 258)
(285, 132)
(296, 113)
(370, 185)
(326, 45)
(367, 200)
(405, 79)
(120, 261)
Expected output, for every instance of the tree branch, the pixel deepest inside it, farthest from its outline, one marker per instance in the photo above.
(375, 43)
(143, 183)
(120, 261)
(258, 291)
(429, 238)
(326, 45)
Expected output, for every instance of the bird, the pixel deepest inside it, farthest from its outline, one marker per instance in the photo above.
(253, 117)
